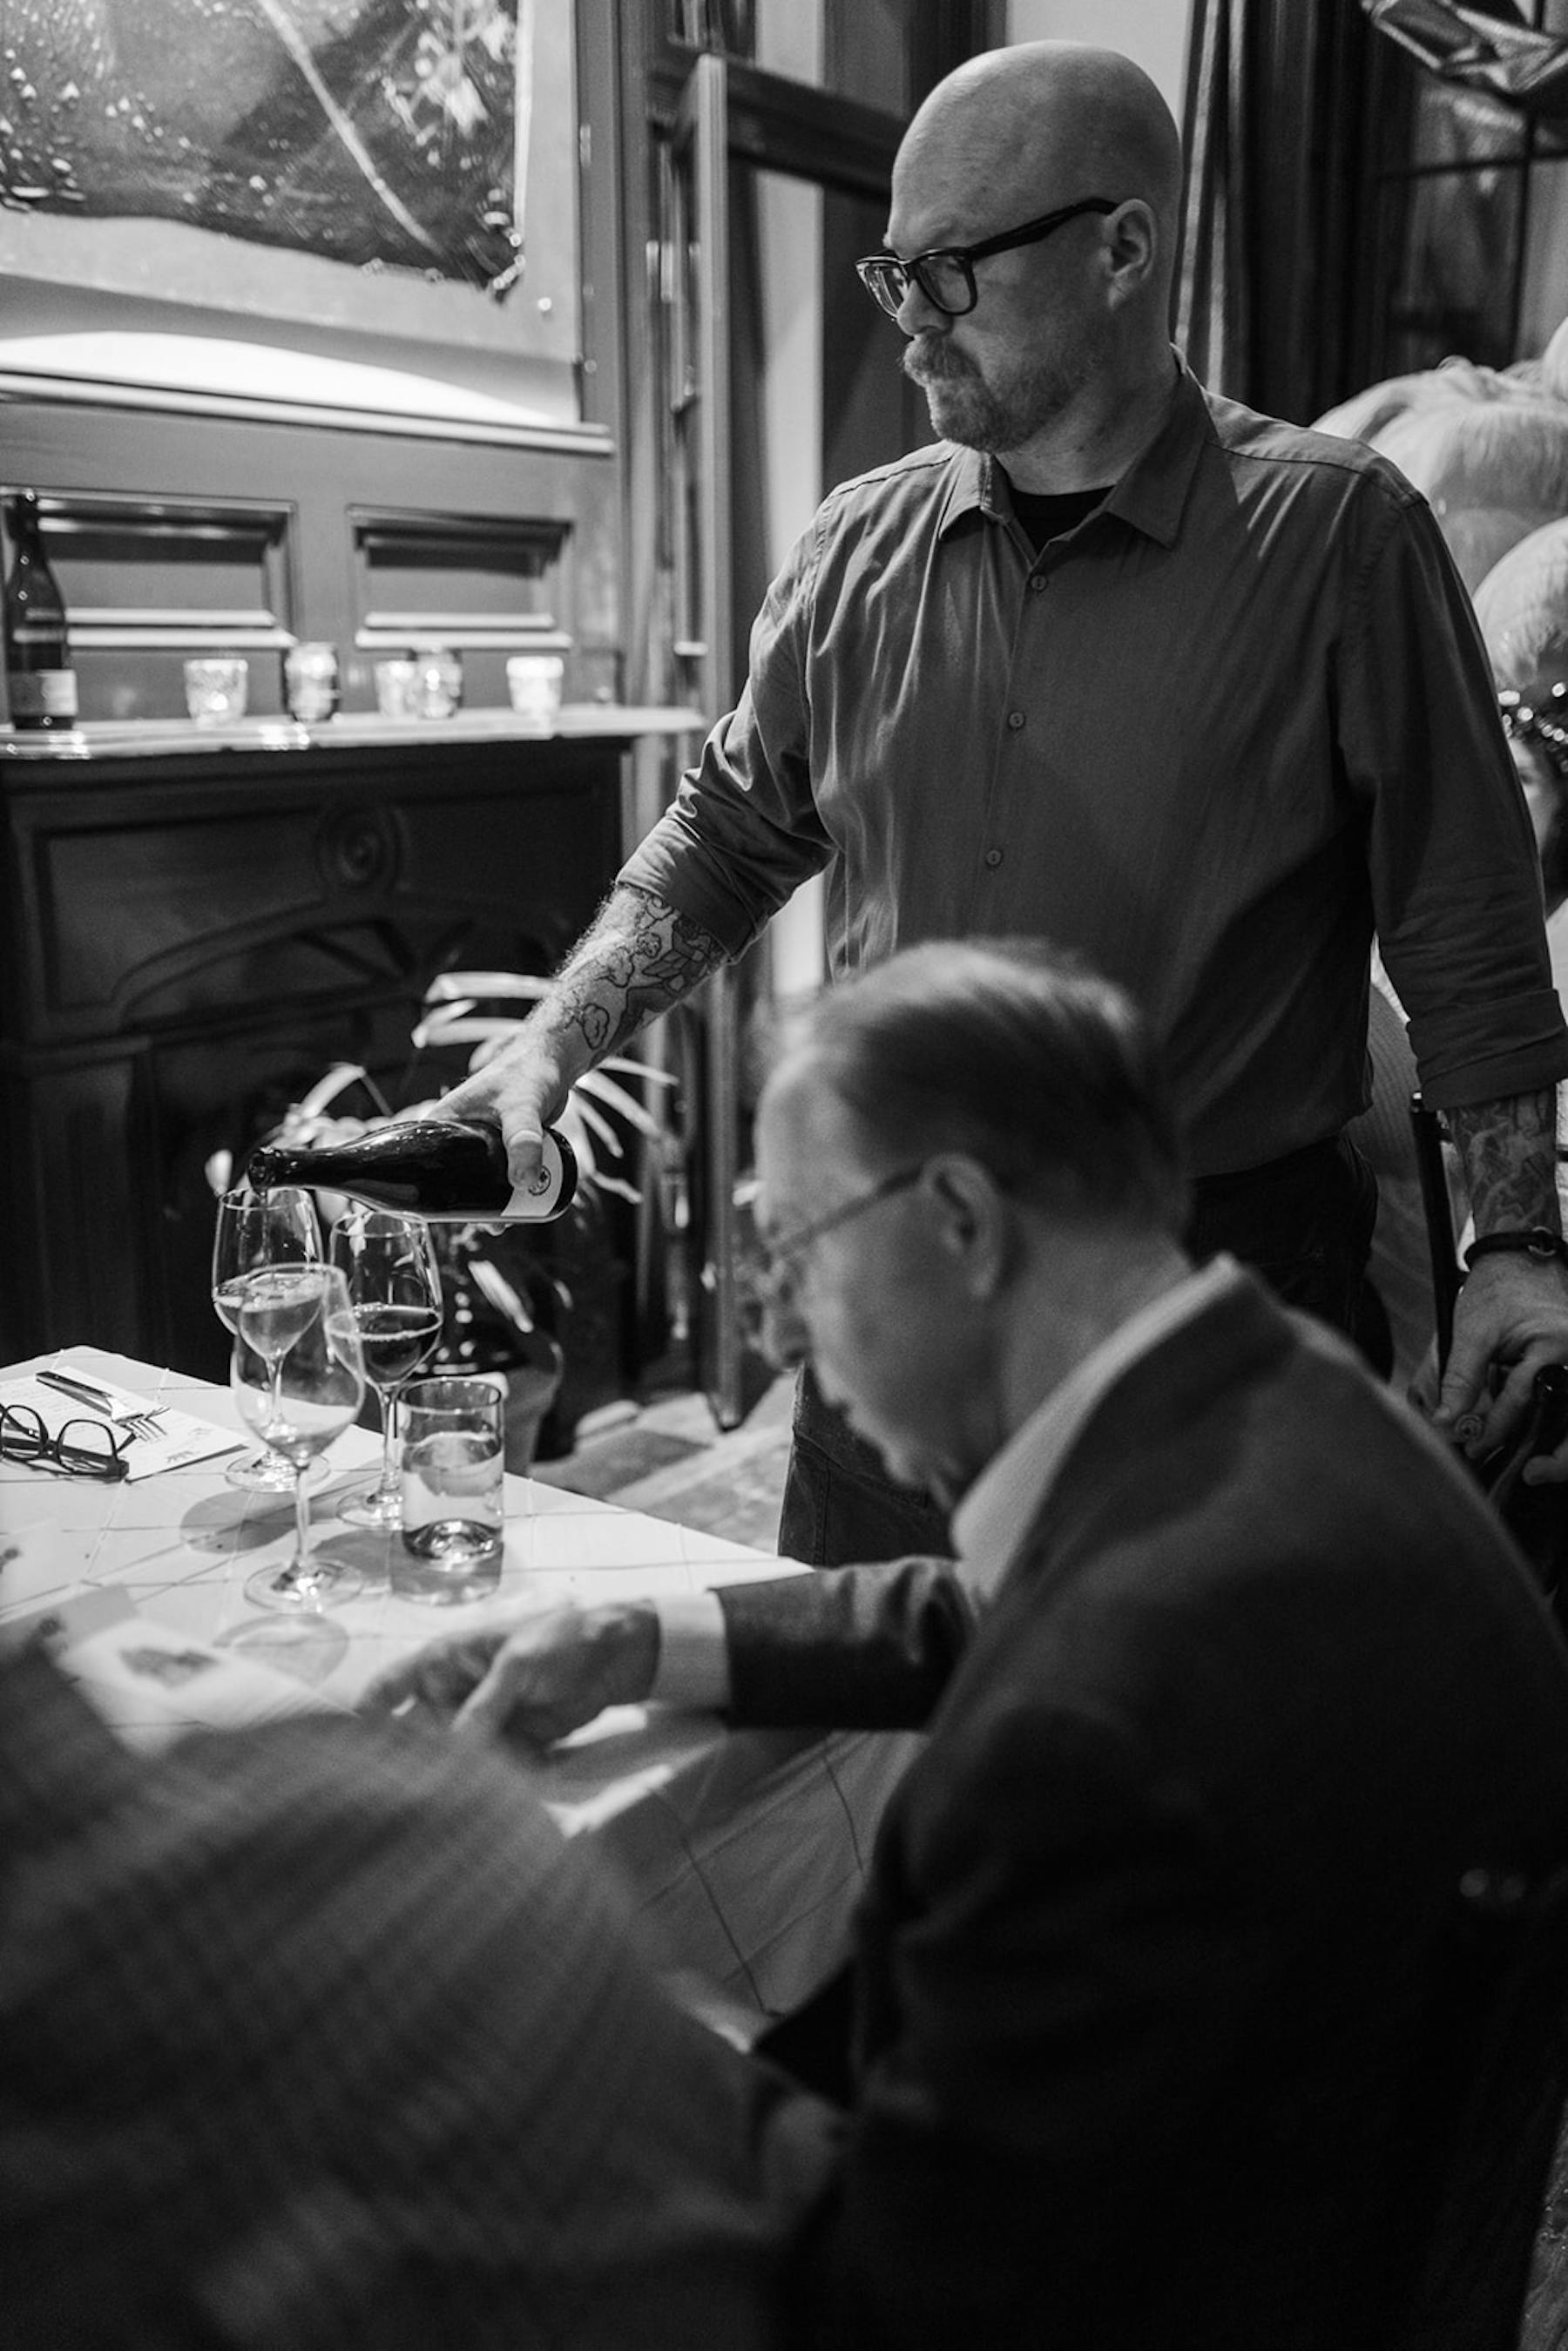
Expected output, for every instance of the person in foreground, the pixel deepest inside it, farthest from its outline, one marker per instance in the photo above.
(315, 2037)
(1195, 693)
(1154, 1984)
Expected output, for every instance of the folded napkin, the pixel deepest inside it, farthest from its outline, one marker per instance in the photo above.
(176, 1439)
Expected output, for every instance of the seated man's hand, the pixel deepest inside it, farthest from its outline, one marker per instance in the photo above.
(535, 1678)
(1511, 1319)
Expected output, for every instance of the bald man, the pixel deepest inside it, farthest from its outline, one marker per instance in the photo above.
(1119, 663)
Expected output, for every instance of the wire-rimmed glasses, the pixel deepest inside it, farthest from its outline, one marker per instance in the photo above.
(767, 1283)
(946, 275)
(79, 1448)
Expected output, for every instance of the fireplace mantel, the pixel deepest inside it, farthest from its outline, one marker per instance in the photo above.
(178, 738)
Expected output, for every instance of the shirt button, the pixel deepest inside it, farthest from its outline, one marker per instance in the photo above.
(1015, 719)
(1039, 582)
(993, 857)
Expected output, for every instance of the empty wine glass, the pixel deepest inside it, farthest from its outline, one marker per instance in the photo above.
(394, 1289)
(298, 1378)
(255, 1229)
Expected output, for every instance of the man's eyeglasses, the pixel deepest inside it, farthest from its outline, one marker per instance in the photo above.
(767, 1283)
(83, 1449)
(946, 275)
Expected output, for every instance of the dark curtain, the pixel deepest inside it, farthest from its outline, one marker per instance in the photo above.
(1280, 129)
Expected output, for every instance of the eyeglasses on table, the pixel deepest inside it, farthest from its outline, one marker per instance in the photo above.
(80, 1449)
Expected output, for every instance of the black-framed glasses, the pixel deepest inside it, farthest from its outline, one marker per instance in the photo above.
(82, 1449)
(768, 1281)
(946, 275)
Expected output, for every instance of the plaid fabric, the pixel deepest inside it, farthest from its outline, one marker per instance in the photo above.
(319, 2035)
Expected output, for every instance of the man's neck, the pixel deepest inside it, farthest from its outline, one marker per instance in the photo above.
(1089, 447)
(1082, 1293)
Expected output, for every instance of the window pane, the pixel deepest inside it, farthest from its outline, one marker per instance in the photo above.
(1543, 297)
(1453, 288)
(1462, 126)
(859, 50)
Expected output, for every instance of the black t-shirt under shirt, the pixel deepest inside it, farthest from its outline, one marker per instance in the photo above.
(1046, 514)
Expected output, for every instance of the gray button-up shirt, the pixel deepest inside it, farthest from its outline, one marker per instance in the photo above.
(1209, 739)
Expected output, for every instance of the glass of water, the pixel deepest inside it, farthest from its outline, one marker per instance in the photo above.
(451, 1451)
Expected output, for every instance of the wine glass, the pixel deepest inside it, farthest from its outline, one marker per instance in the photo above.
(298, 1378)
(394, 1289)
(255, 1229)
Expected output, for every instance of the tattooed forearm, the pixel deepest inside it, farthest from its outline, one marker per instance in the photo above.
(638, 959)
(1509, 1150)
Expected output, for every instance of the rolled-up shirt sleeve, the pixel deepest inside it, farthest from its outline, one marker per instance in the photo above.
(743, 831)
(1454, 879)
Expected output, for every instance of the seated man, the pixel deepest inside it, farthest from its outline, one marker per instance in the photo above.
(1154, 1987)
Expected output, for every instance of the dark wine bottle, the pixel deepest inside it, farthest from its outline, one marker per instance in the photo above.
(40, 684)
(444, 1168)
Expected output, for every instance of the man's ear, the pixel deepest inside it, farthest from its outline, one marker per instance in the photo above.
(975, 1220)
(1130, 240)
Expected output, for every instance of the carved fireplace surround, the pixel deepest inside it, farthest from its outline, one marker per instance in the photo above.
(195, 927)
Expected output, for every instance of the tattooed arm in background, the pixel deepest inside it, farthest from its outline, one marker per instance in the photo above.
(1512, 1313)
(636, 958)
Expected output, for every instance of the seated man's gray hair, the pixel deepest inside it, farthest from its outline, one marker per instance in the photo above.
(1010, 1051)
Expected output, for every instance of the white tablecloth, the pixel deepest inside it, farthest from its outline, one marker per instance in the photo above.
(744, 1851)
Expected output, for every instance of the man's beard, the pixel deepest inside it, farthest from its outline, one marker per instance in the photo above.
(965, 409)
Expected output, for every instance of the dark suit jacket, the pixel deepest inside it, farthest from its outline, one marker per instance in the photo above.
(1154, 1995)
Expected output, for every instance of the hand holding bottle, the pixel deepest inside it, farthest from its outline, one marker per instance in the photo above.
(522, 1092)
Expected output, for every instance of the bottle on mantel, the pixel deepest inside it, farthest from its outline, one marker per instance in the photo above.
(449, 1169)
(40, 684)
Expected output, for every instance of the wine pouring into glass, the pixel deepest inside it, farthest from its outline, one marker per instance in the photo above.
(254, 1231)
(394, 1289)
(297, 1376)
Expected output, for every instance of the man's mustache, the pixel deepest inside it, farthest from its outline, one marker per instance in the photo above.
(929, 359)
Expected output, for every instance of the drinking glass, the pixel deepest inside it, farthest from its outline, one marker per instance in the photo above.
(255, 1229)
(298, 1378)
(394, 1289)
(215, 690)
(454, 1490)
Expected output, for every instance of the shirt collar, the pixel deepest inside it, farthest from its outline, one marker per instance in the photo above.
(995, 1516)
(1149, 496)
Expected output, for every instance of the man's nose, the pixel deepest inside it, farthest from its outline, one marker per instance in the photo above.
(918, 314)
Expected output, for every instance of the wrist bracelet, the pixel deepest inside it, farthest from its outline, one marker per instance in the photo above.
(1538, 1241)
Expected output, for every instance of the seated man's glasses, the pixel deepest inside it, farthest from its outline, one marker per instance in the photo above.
(767, 1284)
(83, 1449)
(946, 275)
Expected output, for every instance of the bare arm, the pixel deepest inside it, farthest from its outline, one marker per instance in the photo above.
(637, 957)
(1512, 1313)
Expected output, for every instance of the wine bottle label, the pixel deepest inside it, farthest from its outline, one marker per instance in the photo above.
(41, 694)
(548, 1192)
